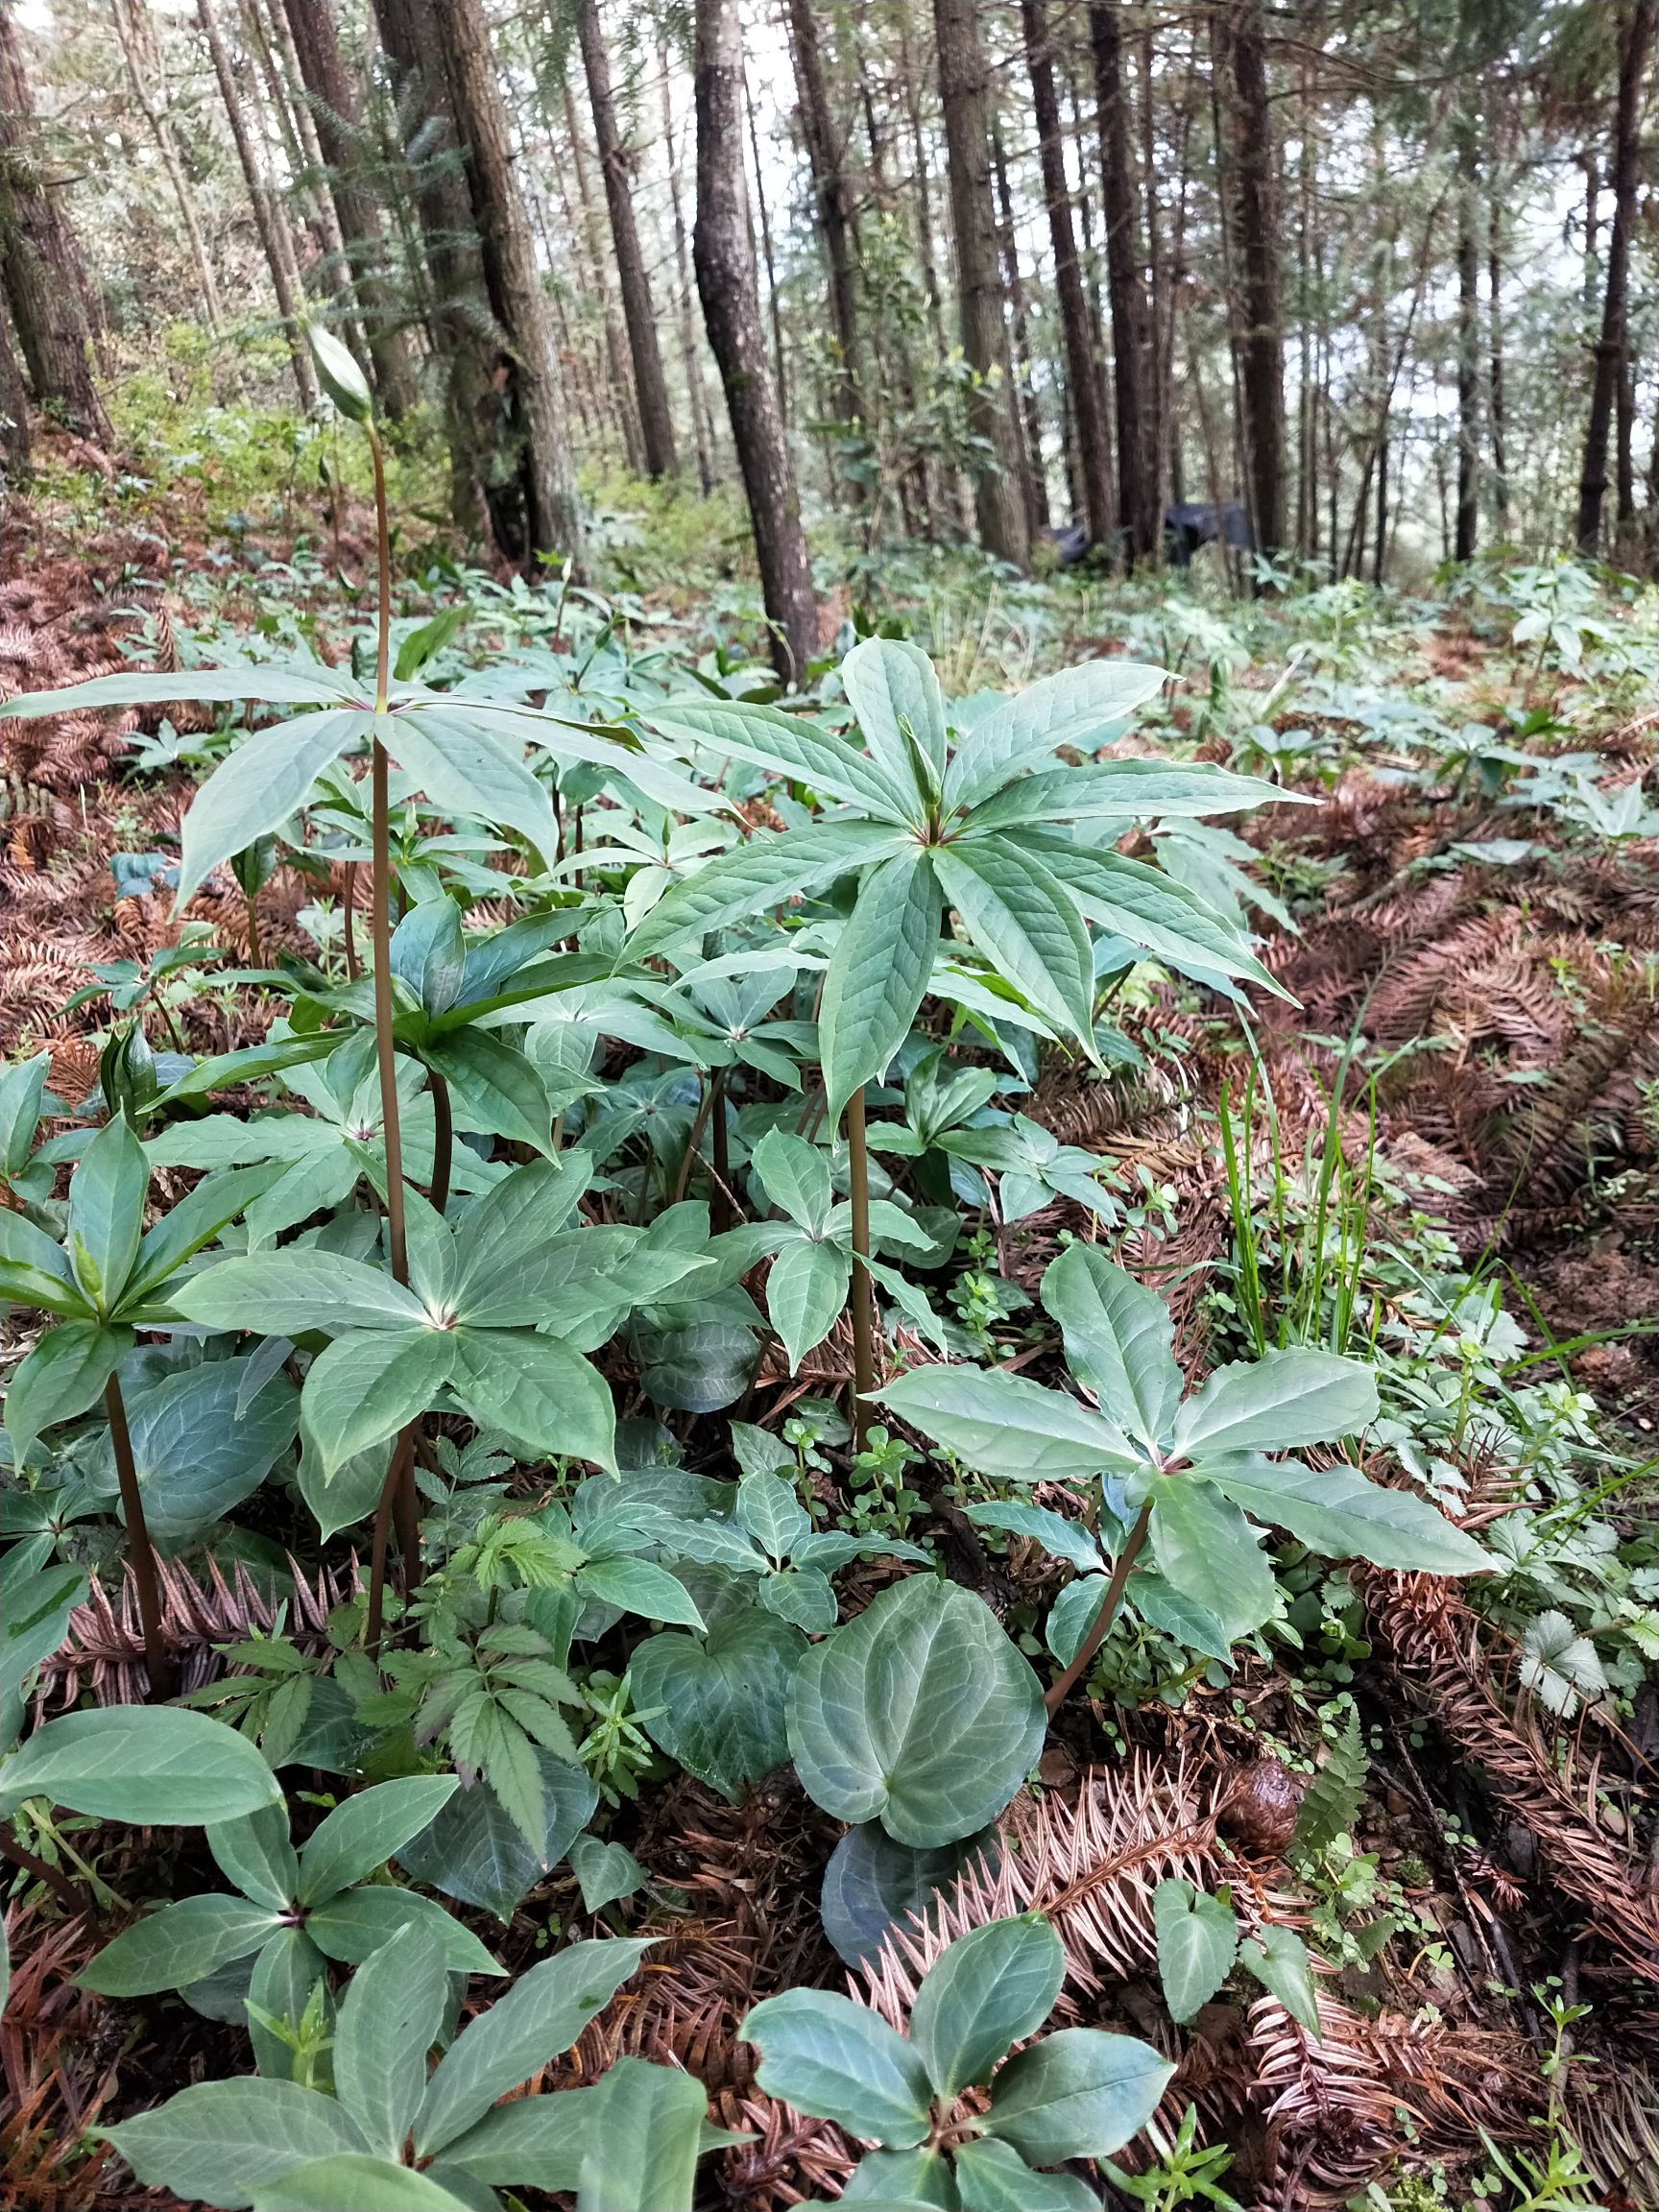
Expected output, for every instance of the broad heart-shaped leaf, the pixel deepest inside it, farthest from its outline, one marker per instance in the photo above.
(983, 1994)
(1119, 1340)
(1277, 1403)
(523, 2030)
(919, 1713)
(790, 746)
(106, 1194)
(1207, 1550)
(878, 973)
(806, 1290)
(355, 2182)
(476, 1851)
(723, 1699)
(369, 1828)
(893, 689)
(760, 875)
(194, 1457)
(389, 2020)
(991, 2177)
(63, 1375)
(840, 2061)
(872, 1884)
(154, 1766)
(221, 2141)
(1083, 707)
(1008, 1426)
(1079, 2094)
(546, 1397)
(606, 1872)
(1027, 923)
(369, 1384)
(256, 786)
(643, 2139)
(1337, 1511)
(1278, 1961)
(284, 1293)
(1197, 1937)
(178, 1945)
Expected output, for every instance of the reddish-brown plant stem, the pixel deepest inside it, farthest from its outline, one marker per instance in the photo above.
(72, 1899)
(349, 903)
(720, 1199)
(1107, 1612)
(861, 1305)
(443, 1141)
(140, 1556)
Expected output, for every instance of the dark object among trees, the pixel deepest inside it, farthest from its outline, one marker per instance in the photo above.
(1189, 523)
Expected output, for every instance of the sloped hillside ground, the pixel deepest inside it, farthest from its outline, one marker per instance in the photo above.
(1441, 1151)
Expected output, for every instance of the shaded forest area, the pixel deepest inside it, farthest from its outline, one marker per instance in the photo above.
(828, 1105)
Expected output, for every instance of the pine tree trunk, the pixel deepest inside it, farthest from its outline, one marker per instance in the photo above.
(691, 366)
(1256, 207)
(1496, 401)
(1082, 381)
(269, 216)
(963, 90)
(650, 392)
(529, 374)
(1613, 348)
(1136, 478)
(40, 267)
(1029, 415)
(1468, 522)
(141, 57)
(16, 442)
(774, 308)
(266, 32)
(487, 450)
(335, 107)
(618, 368)
(732, 315)
(831, 203)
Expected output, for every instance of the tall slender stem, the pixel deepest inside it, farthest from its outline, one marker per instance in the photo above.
(349, 906)
(862, 1305)
(705, 1106)
(720, 1202)
(442, 1140)
(71, 1899)
(396, 1501)
(1107, 1613)
(399, 1500)
(140, 1554)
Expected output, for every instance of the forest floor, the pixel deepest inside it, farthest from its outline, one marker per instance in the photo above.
(1463, 1144)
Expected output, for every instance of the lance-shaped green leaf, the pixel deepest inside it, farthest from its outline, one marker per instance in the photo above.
(1119, 1340)
(919, 1713)
(1277, 1403)
(1083, 707)
(257, 785)
(63, 1375)
(497, 1092)
(1024, 921)
(1123, 791)
(1079, 2094)
(991, 2177)
(389, 2021)
(34, 1270)
(840, 2061)
(285, 1293)
(369, 1384)
(759, 875)
(221, 2141)
(532, 2140)
(107, 1196)
(465, 770)
(359, 1837)
(193, 1222)
(254, 680)
(1209, 1551)
(795, 1176)
(155, 1765)
(790, 745)
(352, 1926)
(256, 1853)
(1152, 910)
(178, 1945)
(1278, 1957)
(806, 1290)
(1008, 1426)
(645, 2137)
(353, 2181)
(1337, 1511)
(541, 1393)
(1197, 1937)
(878, 973)
(538, 2018)
(984, 1993)
(892, 688)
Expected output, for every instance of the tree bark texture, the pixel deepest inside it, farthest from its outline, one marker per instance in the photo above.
(832, 206)
(732, 316)
(1256, 205)
(1637, 24)
(1126, 294)
(1467, 528)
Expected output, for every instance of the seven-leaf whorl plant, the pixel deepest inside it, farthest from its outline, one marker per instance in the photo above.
(1186, 1470)
(1078, 2094)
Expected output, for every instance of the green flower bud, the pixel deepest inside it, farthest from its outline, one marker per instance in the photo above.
(338, 374)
